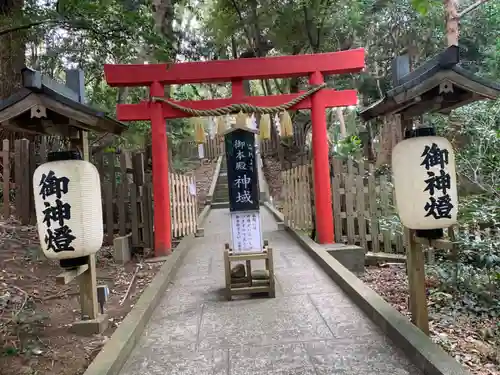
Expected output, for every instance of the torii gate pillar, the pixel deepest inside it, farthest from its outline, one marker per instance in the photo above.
(321, 164)
(161, 189)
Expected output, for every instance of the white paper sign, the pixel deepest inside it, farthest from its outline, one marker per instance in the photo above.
(246, 232)
(192, 189)
(201, 151)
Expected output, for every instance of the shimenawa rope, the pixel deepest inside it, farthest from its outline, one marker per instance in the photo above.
(245, 108)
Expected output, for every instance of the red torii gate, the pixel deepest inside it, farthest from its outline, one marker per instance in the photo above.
(156, 76)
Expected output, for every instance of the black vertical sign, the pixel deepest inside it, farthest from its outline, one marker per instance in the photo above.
(242, 175)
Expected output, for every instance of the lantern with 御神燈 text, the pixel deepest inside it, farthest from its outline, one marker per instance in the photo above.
(67, 195)
(425, 181)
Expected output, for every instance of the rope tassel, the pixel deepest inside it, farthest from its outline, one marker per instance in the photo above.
(221, 125)
(286, 125)
(199, 133)
(265, 126)
(241, 120)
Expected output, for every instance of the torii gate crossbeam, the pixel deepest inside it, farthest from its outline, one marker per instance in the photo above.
(156, 76)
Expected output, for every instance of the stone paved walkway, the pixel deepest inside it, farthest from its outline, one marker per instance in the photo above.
(310, 328)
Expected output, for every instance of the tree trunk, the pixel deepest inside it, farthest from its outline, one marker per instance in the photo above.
(451, 11)
(452, 34)
(12, 60)
(164, 15)
(390, 135)
(12, 51)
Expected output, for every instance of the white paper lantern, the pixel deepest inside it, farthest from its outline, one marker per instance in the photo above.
(68, 207)
(425, 182)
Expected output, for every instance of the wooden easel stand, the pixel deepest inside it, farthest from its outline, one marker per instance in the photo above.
(248, 285)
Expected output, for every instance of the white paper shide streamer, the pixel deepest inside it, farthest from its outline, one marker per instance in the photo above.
(212, 127)
(201, 151)
(277, 124)
(253, 122)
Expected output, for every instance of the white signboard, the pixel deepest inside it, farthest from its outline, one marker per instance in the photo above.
(246, 232)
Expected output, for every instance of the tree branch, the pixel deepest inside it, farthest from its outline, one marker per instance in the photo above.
(71, 24)
(308, 24)
(245, 29)
(471, 7)
(30, 25)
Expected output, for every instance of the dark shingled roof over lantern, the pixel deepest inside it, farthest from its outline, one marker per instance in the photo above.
(46, 107)
(439, 85)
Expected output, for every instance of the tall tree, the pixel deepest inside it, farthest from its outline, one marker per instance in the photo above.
(12, 48)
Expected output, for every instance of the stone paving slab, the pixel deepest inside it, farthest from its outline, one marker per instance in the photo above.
(310, 328)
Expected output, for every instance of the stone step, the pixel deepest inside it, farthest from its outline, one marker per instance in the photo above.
(219, 200)
(221, 191)
(220, 196)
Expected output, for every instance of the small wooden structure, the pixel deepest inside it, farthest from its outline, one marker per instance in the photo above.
(439, 85)
(252, 282)
(45, 107)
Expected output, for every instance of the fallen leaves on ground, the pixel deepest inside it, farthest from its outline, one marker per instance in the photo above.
(35, 312)
(473, 340)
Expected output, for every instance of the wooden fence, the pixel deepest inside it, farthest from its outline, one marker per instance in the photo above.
(297, 197)
(184, 204)
(126, 192)
(361, 202)
(363, 207)
(128, 199)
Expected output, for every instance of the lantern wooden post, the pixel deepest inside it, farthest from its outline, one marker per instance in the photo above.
(92, 322)
(427, 199)
(88, 280)
(415, 265)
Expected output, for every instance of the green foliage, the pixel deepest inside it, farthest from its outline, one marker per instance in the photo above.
(477, 136)
(348, 147)
(423, 6)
